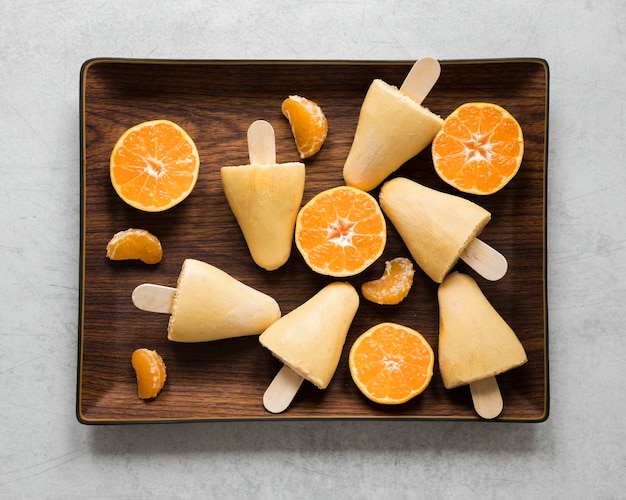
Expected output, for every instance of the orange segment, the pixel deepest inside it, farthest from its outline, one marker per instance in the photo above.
(393, 286)
(308, 124)
(150, 371)
(479, 149)
(391, 363)
(135, 244)
(341, 231)
(154, 165)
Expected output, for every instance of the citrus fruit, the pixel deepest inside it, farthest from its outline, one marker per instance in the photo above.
(150, 371)
(135, 244)
(393, 286)
(341, 231)
(154, 165)
(391, 363)
(479, 149)
(308, 124)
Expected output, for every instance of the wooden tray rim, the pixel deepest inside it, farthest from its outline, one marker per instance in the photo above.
(87, 64)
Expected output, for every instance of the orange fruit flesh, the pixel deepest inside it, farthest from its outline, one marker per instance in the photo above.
(391, 363)
(341, 231)
(394, 285)
(308, 124)
(150, 371)
(135, 244)
(154, 165)
(479, 149)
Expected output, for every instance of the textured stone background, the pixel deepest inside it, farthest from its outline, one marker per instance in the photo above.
(577, 453)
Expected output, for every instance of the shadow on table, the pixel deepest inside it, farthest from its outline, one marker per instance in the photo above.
(342, 436)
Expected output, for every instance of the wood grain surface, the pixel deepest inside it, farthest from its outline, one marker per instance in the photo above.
(215, 102)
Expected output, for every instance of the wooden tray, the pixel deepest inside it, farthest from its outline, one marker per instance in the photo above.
(215, 101)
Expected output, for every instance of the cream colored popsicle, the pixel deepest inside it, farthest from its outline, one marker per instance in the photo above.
(265, 197)
(208, 304)
(475, 342)
(309, 341)
(438, 228)
(393, 127)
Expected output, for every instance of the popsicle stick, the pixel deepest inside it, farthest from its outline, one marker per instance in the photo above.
(261, 143)
(153, 298)
(280, 393)
(487, 398)
(485, 260)
(421, 78)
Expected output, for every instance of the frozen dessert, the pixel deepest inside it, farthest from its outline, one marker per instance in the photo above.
(436, 227)
(265, 197)
(310, 339)
(392, 128)
(475, 342)
(265, 200)
(210, 304)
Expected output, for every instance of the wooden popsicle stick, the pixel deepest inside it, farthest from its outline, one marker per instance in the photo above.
(261, 143)
(421, 78)
(153, 298)
(485, 260)
(281, 391)
(487, 398)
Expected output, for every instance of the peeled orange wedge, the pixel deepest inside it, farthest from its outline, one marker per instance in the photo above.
(135, 244)
(308, 124)
(393, 286)
(150, 371)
